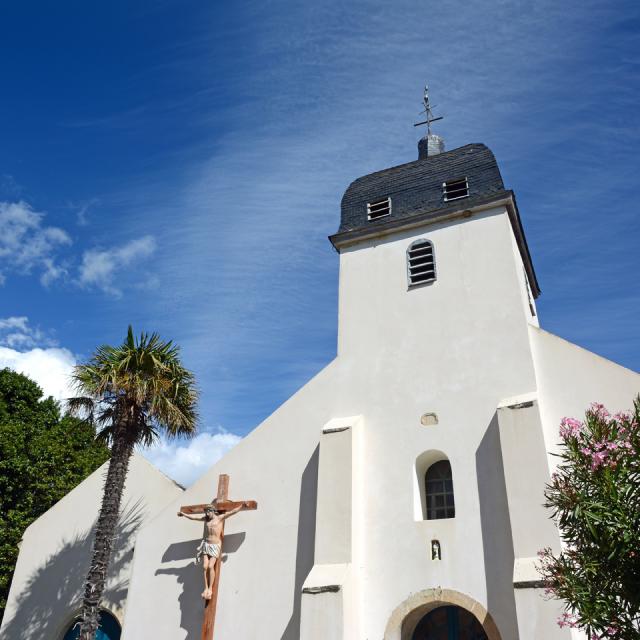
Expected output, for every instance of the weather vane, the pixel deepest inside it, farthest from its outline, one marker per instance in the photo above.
(428, 111)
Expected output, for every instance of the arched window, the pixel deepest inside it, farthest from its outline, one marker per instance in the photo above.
(439, 491)
(421, 263)
(109, 628)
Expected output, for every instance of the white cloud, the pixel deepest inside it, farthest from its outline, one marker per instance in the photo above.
(27, 245)
(16, 333)
(186, 461)
(50, 368)
(31, 351)
(14, 322)
(100, 267)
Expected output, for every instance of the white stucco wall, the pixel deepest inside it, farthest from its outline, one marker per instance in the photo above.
(46, 591)
(456, 347)
(267, 553)
(526, 473)
(570, 378)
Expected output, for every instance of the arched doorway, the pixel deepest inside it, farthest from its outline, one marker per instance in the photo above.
(109, 628)
(449, 623)
(406, 620)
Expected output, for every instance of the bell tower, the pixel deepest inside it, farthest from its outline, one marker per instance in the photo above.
(429, 246)
(436, 301)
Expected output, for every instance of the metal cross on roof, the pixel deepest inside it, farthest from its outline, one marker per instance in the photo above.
(428, 111)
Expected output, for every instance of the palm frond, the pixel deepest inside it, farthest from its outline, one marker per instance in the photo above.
(82, 407)
(141, 384)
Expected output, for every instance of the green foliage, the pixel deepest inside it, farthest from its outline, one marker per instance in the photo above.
(594, 496)
(43, 455)
(140, 385)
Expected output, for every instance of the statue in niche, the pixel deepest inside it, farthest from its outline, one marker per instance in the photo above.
(436, 552)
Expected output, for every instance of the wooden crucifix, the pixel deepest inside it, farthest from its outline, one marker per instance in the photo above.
(214, 515)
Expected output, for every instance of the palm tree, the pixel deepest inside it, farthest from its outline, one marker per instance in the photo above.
(131, 393)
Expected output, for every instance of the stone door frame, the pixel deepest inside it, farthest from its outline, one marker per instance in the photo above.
(407, 615)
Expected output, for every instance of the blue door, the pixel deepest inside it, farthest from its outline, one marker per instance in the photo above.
(109, 629)
(449, 623)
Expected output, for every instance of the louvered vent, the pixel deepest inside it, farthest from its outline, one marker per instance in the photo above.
(379, 209)
(421, 263)
(455, 189)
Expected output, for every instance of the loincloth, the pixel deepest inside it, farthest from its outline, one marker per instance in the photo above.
(207, 549)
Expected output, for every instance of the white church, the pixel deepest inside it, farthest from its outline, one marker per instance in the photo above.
(400, 490)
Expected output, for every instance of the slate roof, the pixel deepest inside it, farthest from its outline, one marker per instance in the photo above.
(415, 189)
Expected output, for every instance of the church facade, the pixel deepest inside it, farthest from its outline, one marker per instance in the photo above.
(399, 491)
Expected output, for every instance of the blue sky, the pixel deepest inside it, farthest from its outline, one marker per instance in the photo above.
(179, 165)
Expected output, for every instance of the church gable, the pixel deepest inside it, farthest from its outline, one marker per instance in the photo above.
(47, 587)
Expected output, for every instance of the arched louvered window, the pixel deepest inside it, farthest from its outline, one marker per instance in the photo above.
(439, 491)
(421, 263)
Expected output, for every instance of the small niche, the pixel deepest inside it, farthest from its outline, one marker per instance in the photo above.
(436, 550)
(429, 419)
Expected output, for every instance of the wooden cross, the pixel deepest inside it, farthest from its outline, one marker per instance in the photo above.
(223, 504)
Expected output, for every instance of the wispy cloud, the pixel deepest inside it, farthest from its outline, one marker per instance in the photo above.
(82, 210)
(101, 268)
(27, 245)
(244, 239)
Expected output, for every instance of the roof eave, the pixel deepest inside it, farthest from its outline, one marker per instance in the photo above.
(505, 198)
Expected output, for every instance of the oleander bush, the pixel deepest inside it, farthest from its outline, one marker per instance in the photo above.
(594, 497)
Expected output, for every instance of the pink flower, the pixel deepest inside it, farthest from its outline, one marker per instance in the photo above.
(567, 620)
(599, 410)
(598, 458)
(570, 428)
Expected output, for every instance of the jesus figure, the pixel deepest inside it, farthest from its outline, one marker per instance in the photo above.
(211, 546)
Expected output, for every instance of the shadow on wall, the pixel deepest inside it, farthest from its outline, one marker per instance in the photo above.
(191, 580)
(53, 593)
(305, 551)
(497, 542)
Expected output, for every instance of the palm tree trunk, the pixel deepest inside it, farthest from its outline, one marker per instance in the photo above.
(121, 451)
